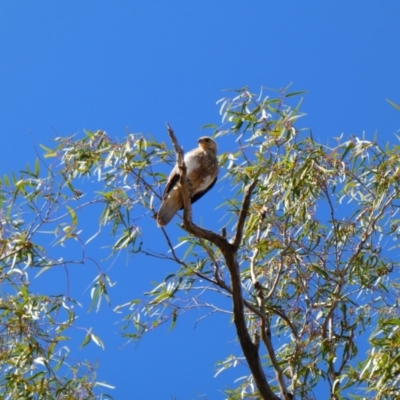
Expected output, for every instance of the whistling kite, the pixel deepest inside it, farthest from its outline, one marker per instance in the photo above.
(202, 172)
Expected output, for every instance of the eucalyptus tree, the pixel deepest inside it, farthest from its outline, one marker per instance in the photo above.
(307, 253)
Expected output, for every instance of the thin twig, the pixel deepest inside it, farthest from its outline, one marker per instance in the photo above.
(187, 205)
(271, 352)
(243, 214)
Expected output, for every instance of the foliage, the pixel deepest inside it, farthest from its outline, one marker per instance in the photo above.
(307, 252)
(35, 360)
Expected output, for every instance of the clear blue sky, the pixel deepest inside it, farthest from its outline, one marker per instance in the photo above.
(74, 65)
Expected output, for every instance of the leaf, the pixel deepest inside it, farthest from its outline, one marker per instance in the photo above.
(37, 168)
(174, 319)
(24, 292)
(320, 271)
(397, 107)
(6, 180)
(97, 340)
(43, 269)
(40, 360)
(50, 154)
(349, 146)
(73, 215)
(206, 126)
(295, 93)
(104, 385)
(60, 362)
(45, 148)
(86, 340)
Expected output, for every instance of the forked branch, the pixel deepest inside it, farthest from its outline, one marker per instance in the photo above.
(228, 250)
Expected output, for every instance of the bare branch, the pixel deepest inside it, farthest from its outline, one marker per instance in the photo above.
(187, 205)
(271, 352)
(243, 214)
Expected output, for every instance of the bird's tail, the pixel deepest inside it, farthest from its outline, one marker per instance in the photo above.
(168, 209)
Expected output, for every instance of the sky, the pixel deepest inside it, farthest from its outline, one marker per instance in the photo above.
(133, 65)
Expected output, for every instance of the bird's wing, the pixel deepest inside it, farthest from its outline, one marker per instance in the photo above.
(173, 179)
(200, 194)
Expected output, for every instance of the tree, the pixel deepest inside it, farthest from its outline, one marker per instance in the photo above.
(307, 253)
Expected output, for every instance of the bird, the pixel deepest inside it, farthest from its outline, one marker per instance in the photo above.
(202, 173)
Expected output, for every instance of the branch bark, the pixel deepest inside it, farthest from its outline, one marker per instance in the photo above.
(243, 214)
(228, 250)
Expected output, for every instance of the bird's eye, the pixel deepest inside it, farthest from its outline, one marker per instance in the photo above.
(207, 140)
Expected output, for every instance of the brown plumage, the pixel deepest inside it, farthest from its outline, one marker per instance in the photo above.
(202, 172)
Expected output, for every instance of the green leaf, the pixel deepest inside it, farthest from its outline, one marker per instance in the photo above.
(86, 340)
(320, 271)
(206, 126)
(349, 147)
(295, 93)
(6, 180)
(174, 319)
(397, 107)
(37, 167)
(50, 153)
(73, 215)
(24, 292)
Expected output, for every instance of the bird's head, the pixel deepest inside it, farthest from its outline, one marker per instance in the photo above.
(207, 143)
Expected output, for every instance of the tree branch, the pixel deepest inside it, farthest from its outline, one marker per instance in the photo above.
(228, 250)
(243, 214)
(265, 324)
(183, 181)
